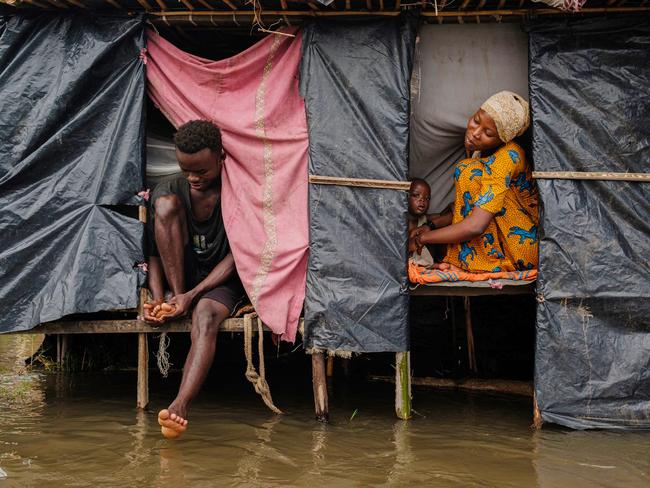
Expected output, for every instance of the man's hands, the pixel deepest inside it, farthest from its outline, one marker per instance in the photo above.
(158, 311)
(183, 303)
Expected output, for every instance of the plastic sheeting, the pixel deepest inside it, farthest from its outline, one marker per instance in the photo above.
(71, 145)
(355, 80)
(591, 110)
(449, 61)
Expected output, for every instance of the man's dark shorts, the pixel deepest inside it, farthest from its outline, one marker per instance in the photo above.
(231, 294)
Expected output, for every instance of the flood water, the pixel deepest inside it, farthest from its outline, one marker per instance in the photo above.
(83, 430)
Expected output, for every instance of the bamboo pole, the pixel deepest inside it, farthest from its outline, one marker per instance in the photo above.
(142, 399)
(591, 175)
(319, 383)
(172, 15)
(359, 182)
(403, 385)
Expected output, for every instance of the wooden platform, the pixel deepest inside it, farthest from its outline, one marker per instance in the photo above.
(465, 289)
(125, 326)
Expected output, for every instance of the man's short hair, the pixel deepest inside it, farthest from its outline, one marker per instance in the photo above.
(196, 135)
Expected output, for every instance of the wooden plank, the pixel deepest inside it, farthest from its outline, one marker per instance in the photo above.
(510, 387)
(114, 3)
(161, 4)
(471, 291)
(76, 3)
(231, 5)
(359, 182)
(127, 326)
(591, 175)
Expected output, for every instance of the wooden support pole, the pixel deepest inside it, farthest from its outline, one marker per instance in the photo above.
(469, 330)
(330, 366)
(64, 350)
(143, 372)
(403, 385)
(58, 351)
(319, 382)
(537, 416)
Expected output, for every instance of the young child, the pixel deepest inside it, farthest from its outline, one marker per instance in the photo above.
(419, 197)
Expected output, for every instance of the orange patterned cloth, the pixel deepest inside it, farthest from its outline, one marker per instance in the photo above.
(501, 184)
(425, 276)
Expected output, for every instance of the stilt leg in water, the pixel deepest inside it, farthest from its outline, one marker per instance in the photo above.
(143, 371)
(471, 354)
(537, 416)
(403, 385)
(319, 381)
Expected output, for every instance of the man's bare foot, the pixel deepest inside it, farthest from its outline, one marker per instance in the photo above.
(171, 425)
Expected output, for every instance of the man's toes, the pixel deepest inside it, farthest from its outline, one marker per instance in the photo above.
(163, 415)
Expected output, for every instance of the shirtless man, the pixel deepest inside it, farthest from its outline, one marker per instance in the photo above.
(189, 251)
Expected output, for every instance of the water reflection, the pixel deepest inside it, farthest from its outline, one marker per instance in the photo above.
(404, 456)
(83, 430)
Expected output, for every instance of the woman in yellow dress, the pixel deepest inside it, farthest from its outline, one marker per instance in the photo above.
(494, 222)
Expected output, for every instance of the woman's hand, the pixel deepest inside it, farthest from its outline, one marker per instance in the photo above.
(415, 244)
(418, 230)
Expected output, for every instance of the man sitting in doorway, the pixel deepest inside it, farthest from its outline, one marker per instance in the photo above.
(190, 251)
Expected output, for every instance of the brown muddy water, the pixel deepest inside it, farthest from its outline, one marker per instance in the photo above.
(79, 430)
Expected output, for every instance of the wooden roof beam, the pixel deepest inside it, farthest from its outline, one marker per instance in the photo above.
(113, 3)
(145, 5)
(76, 3)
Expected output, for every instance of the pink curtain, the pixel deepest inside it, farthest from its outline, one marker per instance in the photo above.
(253, 97)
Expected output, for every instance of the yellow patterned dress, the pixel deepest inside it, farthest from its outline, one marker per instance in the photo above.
(502, 185)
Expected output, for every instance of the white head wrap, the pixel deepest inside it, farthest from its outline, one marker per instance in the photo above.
(510, 113)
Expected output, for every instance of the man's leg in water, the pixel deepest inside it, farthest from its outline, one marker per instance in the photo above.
(171, 238)
(206, 319)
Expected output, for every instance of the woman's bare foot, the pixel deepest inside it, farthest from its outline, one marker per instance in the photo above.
(171, 425)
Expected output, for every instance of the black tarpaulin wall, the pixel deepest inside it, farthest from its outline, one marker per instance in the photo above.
(71, 145)
(590, 104)
(355, 80)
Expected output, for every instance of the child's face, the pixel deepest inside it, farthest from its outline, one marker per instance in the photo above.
(419, 197)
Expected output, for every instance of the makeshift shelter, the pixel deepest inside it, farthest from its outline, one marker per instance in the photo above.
(358, 133)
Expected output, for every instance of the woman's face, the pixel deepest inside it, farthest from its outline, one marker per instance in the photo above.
(481, 133)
